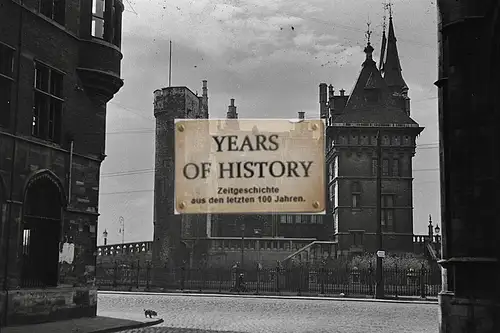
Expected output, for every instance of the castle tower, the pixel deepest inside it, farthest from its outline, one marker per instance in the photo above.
(171, 245)
(352, 161)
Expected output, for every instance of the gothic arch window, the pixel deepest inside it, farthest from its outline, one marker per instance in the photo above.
(41, 236)
(386, 140)
(406, 140)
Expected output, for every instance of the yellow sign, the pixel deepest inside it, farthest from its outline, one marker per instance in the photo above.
(249, 166)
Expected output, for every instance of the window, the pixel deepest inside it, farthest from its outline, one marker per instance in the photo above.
(374, 166)
(98, 18)
(47, 109)
(385, 167)
(387, 213)
(357, 238)
(6, 77)
(53, 9)
(374, 140)
(355, 194)
(355, 200)
(364, 140)
(396, 140)
(386, 141)
(395, 167)
(330, 171)
(406, 140)
(298, 219)
(289, 219)
(282, 219)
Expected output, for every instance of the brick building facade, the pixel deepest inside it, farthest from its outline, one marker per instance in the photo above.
(59, 66)
(378, 103)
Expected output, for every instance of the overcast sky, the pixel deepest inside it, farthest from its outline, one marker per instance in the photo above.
(247, 50)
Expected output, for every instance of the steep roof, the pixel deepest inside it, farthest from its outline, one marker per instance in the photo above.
(371, 99)
(391, 68)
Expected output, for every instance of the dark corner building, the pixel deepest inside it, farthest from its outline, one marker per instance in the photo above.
(378, 103)
(469, 105)
(59, 66)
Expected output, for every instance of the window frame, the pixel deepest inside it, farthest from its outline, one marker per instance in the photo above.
(388, 213)
(6, 80)
(53, 6)
(48, 123)
(95, 18)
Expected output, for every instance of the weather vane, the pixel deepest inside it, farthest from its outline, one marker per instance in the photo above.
(368, 32)
(388, 6)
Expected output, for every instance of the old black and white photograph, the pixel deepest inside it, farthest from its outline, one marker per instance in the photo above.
(249, 166)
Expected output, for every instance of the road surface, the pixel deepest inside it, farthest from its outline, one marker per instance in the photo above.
(196, 314)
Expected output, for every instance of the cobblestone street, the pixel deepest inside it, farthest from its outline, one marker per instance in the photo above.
(192, 314)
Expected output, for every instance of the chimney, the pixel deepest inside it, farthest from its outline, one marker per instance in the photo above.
(231, 111)
(322, 100)
(205, 89)
(342, 92)
(330, 92)
(322, 93)
(204, 99)
(301, 115)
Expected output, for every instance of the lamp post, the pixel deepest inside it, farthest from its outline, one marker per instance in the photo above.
(242, 228)
(105, 236)
(438, 240)
(122, 230)
(379, 289)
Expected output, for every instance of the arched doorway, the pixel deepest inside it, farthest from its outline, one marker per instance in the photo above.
(41, 232)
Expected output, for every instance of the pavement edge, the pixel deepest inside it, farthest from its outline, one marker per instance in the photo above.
(129, 327)
(313, 298)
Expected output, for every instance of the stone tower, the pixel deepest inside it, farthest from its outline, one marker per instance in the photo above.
(176, 237)
(378, 103)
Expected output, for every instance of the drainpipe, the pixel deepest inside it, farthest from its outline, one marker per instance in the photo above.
(70, 171)
(13, 159)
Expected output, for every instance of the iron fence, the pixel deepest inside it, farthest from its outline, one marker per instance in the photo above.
(420, 282)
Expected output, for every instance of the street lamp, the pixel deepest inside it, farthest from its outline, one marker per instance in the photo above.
(122, 230)
(437, 229)
(242, 228)
(105, 236)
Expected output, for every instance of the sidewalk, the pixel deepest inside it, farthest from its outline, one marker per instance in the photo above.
(195, 293)
(84, 325)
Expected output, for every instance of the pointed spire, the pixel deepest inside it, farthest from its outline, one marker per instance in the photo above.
(368, 49)
(384, 39)
(391, 69)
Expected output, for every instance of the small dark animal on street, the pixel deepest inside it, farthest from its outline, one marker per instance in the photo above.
(150, 313)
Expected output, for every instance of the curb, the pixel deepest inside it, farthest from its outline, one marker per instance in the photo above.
(129, 327)
(311, 298)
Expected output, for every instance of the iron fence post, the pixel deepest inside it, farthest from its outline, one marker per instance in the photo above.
(148, 274)
(115, 273)
(422, 281)
(277, 279)
(138, 272)
(370, 278)
(322, 272)
(183, 276)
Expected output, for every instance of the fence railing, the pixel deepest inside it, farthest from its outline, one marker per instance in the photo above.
(301, 280)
